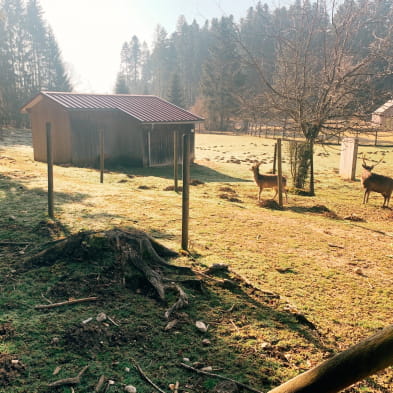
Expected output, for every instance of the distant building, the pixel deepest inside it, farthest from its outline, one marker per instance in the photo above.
(138, 129)
(383, 116)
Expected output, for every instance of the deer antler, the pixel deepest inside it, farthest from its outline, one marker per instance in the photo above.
(378, 162)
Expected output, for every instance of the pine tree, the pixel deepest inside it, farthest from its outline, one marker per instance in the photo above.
(175, 95)
(121, 86)
(222, 75)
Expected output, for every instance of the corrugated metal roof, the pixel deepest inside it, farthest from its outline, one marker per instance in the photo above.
(145, 108)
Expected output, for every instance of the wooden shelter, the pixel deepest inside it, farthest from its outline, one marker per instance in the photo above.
(139, 130)
(383, 116)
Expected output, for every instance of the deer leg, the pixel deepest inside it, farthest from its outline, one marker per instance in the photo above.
(365, 197)
(275, 193)
(259, 195)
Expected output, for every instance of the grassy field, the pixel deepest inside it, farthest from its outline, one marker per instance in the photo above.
(328, 258)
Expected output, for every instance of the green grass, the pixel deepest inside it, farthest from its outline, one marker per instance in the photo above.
(305, 254)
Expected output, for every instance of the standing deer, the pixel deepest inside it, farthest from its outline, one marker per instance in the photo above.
(377, 183)
(268, 181)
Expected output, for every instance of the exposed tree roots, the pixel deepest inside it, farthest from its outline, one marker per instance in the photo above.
(135, 251)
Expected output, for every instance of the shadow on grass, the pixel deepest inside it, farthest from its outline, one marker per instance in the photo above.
(251, 337)
(24, 212)
(199, 172)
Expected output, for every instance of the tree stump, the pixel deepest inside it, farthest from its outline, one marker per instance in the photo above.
(134, 250)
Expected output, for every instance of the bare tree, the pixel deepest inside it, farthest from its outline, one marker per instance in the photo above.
(320, 77)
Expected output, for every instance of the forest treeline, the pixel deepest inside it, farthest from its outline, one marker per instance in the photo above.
(30, 58)
(287, 63)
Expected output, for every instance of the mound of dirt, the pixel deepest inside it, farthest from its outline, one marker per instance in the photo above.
(270, 204)
(94, 337)
(49, 228)
(230, 198)
(10, 368)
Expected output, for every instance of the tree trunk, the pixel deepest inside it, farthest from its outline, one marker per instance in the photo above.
(342, 370)
(312, 190)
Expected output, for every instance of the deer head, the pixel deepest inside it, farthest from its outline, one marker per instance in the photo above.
(369, 167)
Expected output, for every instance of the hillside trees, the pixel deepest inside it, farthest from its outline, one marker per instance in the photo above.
(319, 77)
(222, 77)
(30, 58)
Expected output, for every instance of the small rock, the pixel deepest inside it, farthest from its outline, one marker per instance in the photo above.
(130, 389)
(101, 317)
(186, 359)
(127, 369)
(87, 321)
(55, 340)
(206, 342)
(201, 326)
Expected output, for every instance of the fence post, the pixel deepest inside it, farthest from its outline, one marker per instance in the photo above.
(101, 156)
(279, 172)
(274, 158)
(175, 161)
(186, 191)
(49, 159)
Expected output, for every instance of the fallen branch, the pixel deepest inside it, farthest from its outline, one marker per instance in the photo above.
(73, 301)
(69, 381)
(5, 243)
(100, 383)
(220, 377)
(146, 378)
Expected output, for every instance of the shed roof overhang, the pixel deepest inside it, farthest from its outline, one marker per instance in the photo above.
(146, 109)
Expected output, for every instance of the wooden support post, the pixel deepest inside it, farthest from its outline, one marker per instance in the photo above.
(175, 161)
(279, 172)
(275, 158)
(101, 155)
(342, 370)
(49, 159)
(186, 191)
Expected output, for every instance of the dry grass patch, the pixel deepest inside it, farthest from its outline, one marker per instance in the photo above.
(300, 253)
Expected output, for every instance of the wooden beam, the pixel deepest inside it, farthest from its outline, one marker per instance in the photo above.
(342, 370)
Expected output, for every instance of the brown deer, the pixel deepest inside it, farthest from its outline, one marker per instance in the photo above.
(268, 181)
(377, 183)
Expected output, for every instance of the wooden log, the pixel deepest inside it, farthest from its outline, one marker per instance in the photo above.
(344, 369)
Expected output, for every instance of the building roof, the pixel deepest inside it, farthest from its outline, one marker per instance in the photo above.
(147, 109)
(383, 108)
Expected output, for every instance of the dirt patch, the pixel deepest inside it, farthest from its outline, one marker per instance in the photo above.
(230, 198)
(49, 228)
(6, 331)
(10, 368)
(270, 204)
(94, 337)
(196, 182)
(172, 188)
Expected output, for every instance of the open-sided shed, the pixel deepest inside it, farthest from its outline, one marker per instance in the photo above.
(383, 116)
(139, 130)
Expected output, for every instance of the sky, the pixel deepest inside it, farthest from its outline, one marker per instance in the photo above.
(90, 33)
